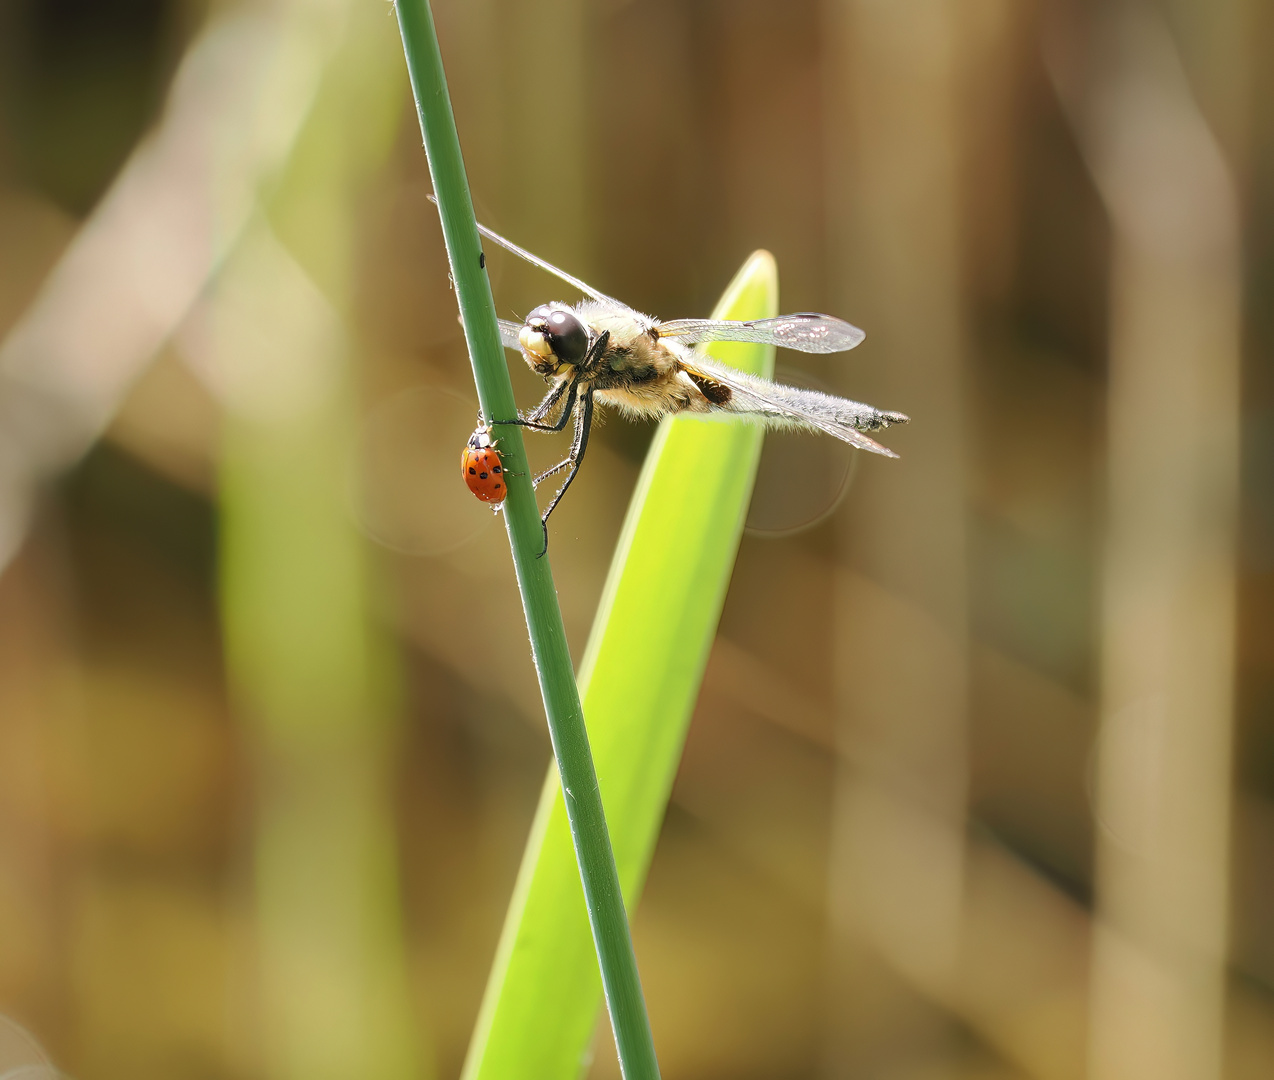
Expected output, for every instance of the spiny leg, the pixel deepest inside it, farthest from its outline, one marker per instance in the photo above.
(583, 424)
(553, 471)
(533, 418)
(570, 387)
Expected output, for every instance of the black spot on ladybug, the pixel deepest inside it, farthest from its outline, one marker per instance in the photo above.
(498, 486)
(472, 470)
(498, 468)
(482, 476)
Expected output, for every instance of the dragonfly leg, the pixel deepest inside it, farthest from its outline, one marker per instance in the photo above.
(551, 399)
(535, 482)
(534, 418)
(583, 423)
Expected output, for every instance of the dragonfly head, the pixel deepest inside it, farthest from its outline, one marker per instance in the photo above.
(553, 335)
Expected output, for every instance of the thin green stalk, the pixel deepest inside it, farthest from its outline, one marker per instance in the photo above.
(639, 681)
(587, 819)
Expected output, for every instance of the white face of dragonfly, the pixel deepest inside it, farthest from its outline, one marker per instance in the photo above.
(553, 336)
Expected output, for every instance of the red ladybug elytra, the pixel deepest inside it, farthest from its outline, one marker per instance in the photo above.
(481, 466)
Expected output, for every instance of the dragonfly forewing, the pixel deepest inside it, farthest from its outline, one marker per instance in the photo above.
(805, 332)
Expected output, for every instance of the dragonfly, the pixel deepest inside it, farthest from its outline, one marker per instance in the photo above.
(601, 352)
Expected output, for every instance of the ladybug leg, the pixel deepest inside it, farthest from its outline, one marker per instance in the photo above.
(583, 424)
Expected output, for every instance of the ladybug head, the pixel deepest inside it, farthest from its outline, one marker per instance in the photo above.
(481, 439)
(553, 336)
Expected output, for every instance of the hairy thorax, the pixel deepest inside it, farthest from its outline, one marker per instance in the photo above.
(638, 373)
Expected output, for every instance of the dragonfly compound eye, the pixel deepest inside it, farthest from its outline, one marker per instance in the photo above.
(567, 336)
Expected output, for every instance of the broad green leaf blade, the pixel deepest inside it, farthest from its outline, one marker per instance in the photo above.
(639, 681)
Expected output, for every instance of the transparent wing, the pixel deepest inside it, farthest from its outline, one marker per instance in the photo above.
(805, 331)
(535, 260)
(509, 334)
(754, 395)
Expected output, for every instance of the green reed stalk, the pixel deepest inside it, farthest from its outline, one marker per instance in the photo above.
(586, 816)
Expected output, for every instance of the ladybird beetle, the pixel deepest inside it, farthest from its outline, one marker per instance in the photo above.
(481, 466)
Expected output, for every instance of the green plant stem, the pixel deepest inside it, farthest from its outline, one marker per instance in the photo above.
(602, 895)
(639, 680)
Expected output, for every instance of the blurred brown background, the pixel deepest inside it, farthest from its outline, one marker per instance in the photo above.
(981, 781)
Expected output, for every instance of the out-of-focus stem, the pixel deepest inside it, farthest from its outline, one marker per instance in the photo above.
(306, 665)
(898, 135)
(1163, 776)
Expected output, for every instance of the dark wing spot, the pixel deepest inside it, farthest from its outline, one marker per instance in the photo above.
(472, 471)
(482, 476)
(715, 392)
(498, 486)
(498, 468)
